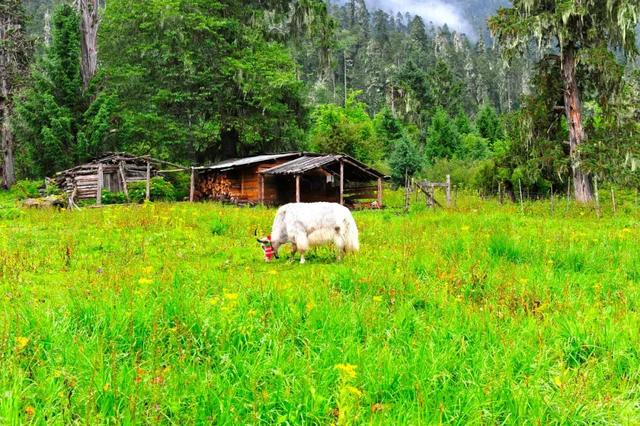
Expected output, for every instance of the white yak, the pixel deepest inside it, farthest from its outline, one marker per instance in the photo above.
(306, 225)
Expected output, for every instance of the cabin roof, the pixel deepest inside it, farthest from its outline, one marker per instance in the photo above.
(247, 161)
(307, 163)
(301, 162)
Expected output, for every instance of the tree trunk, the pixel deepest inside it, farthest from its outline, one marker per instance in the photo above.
(89, 23)
(6, 137)
(573, 109)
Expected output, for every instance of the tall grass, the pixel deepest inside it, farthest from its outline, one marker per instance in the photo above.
(166, 313)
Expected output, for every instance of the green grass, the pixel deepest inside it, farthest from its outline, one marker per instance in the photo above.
(166, 313)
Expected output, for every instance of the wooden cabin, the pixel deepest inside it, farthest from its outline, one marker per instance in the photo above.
(113, 172)
(290, 177)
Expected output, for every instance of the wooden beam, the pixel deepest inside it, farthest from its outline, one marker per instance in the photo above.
(148, 189)
(192, 186)
(100, 185)
(379, 192)
(172, 171)
(124, 181)
(361, 168)
(448, 190)
(341, 182)
(297, 188)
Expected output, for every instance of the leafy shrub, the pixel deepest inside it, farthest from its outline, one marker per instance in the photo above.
(109, 197)
(464, 173)
(27, 189)
(217, 227)
(160, 190)
(181, 183)
(52, 189)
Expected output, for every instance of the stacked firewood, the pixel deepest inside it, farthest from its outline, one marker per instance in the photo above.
(216, 187)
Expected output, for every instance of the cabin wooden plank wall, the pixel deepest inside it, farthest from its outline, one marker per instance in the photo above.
(85, 182)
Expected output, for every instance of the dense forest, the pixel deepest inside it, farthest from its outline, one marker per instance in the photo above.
(538, 94)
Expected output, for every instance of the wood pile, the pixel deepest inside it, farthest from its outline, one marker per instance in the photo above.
(214, 187)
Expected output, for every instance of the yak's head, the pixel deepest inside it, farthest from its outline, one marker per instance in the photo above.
(267, 247)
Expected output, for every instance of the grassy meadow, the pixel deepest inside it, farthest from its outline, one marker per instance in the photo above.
(167, 313)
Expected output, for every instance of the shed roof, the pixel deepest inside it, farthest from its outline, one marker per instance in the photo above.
(307, 163)
(115, 158)
(247, 161)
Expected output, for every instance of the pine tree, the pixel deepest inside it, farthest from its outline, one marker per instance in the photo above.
(58, 122)
(443, 139)
(405, 160)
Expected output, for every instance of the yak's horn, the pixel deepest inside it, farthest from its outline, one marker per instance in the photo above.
(255, 233)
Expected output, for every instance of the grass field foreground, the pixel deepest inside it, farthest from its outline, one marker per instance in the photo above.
(166, 313)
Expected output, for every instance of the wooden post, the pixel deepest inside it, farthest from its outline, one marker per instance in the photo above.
(613, 199)
(100, 184)
(500, 192)
(521, 202)
(406, 191)
(261, 189)
(192, 187)
(551, 199)
(341, 182)
(595, 187)
(147, 195)
(298, 189)
(448, 190)
(379, 192)
(124, 181)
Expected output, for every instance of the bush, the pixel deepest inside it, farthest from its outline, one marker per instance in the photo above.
(52, 189)
(181, 183)
(160, 190)
(109, 197)
(27, 189)
(464, 173)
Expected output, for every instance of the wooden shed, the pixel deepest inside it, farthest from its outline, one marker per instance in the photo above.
(278, 179)
(113, 173)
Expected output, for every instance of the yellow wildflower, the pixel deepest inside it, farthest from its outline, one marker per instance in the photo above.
(377, 299)
(347, 371)
(310, 306)
(231, 296)
(30, 411)
(144, 281)
(147, 270)
(106, 387)
(465, 228)
(21, 342)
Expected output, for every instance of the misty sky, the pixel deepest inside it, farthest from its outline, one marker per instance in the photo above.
(437, 11)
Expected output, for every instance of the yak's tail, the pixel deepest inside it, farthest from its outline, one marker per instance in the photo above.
(351, 242)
